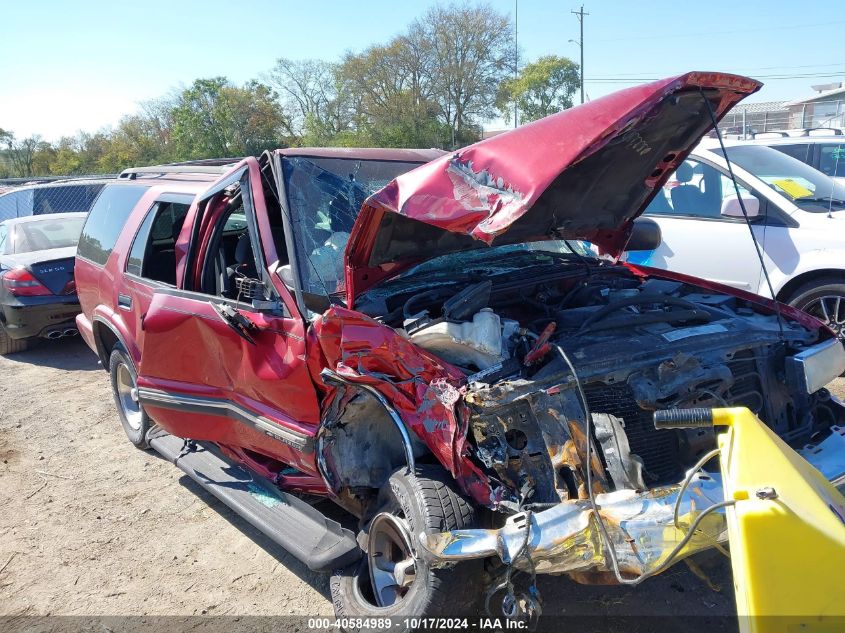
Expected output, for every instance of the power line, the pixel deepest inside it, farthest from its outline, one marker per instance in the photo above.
(790, 27)
(750, 68)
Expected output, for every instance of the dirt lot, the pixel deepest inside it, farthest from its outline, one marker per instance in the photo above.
(90, 526)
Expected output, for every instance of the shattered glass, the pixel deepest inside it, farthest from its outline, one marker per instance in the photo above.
(325, 196)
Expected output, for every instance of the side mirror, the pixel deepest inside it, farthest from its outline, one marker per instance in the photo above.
(645, 236)
(732, 209)
(286, 275)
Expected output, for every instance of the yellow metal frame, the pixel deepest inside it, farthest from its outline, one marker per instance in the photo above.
(786, 531)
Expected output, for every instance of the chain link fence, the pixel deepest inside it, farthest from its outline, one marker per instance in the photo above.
(54, 197)
(747, 120)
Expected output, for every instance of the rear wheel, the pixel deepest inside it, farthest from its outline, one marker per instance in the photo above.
(9, 345)
(390, 580)
(825, 300)
(124, 383)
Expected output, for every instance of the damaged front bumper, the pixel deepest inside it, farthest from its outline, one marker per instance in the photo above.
(565, 539)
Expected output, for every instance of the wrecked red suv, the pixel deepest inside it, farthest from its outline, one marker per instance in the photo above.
(431, 351)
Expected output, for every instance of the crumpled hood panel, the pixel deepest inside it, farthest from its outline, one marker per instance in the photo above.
(586, 173)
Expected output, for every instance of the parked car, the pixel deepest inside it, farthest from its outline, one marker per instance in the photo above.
(37, 291)
(65, 196)
(822, 149)
(796, 213)
(438, 362)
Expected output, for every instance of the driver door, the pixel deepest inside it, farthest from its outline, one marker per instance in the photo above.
(223, 356)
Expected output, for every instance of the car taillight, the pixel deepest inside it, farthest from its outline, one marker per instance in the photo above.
(70, 288)
(21, 283)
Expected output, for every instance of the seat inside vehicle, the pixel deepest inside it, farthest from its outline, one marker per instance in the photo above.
(687, 197)
(160, 256)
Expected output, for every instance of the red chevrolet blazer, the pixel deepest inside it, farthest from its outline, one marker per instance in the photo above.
(422, 338)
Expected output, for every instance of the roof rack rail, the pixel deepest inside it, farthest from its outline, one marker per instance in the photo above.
(200, 166)
(776, 134)
(835, 131)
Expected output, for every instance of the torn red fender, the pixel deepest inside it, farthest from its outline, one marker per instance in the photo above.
(426, 392)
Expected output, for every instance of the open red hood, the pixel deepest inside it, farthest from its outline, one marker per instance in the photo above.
(584, 173)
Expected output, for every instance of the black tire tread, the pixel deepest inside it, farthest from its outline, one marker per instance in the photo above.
(447, 511)
(816, 284)
(454, 591)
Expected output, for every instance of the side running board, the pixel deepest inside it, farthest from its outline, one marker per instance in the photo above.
(304, 531)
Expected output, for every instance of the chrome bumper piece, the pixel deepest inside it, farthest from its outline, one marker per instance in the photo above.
(566, 537)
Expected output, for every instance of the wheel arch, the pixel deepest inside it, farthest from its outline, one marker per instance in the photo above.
(362, 440)
(106, 336)
(810, 276)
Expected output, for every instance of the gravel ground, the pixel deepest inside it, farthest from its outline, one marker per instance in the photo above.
(90, 526)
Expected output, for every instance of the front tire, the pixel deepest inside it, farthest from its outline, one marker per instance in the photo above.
(9, 345)
(425, 501)
(825, 300)
(124, 384)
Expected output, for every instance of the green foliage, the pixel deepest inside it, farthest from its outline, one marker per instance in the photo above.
(542, 88)
(213, 118)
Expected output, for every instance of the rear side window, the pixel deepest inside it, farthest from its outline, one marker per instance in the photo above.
(106, 220)
(801, 151)
(832, 159)
(153, 253)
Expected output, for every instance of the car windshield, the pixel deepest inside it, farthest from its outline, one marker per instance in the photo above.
(809, 188)
(325, 196)
(45, 234)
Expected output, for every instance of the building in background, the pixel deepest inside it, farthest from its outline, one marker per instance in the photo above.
(824, 109)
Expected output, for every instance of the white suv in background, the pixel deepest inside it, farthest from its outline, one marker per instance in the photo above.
(822, 148)
(797, 216)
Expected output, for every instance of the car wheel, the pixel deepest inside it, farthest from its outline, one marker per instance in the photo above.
(390, 580)
(9, 345)
(825, 301)
(124, 385)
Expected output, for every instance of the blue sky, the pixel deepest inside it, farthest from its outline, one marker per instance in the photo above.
(82, 65)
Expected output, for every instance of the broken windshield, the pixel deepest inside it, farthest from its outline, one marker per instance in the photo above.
(325, 196)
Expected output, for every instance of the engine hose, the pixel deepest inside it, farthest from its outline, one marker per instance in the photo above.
(428, 294)
(641, 299)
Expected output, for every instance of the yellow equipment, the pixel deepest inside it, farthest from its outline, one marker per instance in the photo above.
(786, 531)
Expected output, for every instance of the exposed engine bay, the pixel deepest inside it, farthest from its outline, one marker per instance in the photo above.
(637, 345)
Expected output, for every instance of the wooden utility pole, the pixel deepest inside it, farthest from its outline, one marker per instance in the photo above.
(580, 14)
(516, 58)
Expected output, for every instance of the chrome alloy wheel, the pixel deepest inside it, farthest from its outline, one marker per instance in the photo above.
(127, 396)
(831, 310)
(391, 558)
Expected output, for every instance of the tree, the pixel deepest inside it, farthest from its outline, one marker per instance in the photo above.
(471, 50)
(308, 92)
(213, 118)
(390, 94)
(20, 155)
(543, 87)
